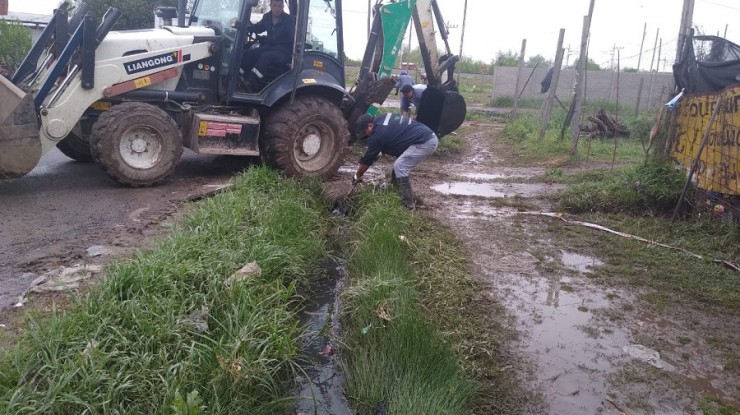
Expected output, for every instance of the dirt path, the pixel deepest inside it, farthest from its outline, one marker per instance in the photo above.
(577, 336)
(52, 217)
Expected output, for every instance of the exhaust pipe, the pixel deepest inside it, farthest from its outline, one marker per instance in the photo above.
(20, 145)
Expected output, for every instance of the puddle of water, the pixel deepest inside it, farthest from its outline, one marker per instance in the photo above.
(494, 189)
(322, 393)
(469, 189)
(12, 289)
(352, 169)
(578, 262)
(573, 351)
(483, 176)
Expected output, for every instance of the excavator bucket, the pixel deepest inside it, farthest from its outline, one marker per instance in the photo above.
(442, 111)
(20, 145)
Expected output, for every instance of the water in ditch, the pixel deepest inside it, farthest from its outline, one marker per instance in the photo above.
(321, 386)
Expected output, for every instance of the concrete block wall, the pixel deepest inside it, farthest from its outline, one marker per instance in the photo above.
(600, 85)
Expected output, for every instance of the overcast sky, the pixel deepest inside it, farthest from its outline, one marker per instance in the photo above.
(494, 25)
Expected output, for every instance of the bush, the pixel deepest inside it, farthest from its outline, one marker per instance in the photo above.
(15, 42)
(520, 128)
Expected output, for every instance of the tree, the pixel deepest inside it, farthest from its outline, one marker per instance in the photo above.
(136, 14)
(538, 61)
(592, 66)
(15, 42)
(509, 58)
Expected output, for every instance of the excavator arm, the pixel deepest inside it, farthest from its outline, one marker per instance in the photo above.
(442, 108)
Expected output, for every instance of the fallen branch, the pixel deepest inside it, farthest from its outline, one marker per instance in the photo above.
(605, 126)
(729, 264)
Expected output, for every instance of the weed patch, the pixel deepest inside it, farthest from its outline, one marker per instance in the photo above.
(414, 342)
(652, 188)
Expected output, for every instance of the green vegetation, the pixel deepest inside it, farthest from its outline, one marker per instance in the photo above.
(395, 358)
(410, 331)
(651, 188)
(528, 149)
(137, 14)
(165, 331)
(508, 102)
(15, 42)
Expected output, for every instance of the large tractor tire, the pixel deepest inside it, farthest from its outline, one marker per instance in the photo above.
(137, 144)
(76, 145)
(305, 138)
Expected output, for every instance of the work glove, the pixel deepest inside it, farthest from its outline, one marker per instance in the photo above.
(356, 180)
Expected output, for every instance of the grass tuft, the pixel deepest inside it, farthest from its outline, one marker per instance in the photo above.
(652, 188)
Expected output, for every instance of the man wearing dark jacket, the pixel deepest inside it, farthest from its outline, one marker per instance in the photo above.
(397, 136)
(276, 49)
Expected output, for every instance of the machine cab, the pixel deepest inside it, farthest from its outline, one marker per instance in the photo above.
(316, 59)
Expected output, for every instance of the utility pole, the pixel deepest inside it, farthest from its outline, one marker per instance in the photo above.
(581, 83)
(369, 9)
(639, 59)
(655, 48)
(567, 56)
(462, 36)
(520, 68)
(687, 16)
(725, 36)
(551, 93)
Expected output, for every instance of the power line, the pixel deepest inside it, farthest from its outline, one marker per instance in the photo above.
(720, 5)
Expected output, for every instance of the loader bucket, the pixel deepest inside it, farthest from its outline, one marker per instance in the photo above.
(442, 111)
(20, 145)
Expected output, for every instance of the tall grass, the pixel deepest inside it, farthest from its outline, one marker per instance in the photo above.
(396, 362)
(652, 188)
(138, 343)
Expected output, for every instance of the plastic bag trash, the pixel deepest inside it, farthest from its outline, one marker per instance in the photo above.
(645, 354)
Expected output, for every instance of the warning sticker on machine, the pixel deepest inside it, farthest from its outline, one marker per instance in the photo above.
(218, 129)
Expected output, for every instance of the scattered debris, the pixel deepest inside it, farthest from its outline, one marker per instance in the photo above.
(211, 190)
(328, 351)
(64, 278)
(605, 126)
(99, 250)
(134, 216)
(197, 320)
(645, 354)
(249, 271)
(92, 344)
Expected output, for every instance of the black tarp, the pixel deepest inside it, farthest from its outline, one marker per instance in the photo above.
(708, 64)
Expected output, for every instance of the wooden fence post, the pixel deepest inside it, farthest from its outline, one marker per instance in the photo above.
(551, 94)
(518, 78)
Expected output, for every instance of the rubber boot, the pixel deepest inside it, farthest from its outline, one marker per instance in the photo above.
(407, 194)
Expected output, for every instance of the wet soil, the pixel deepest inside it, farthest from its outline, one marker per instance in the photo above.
(578, 335)
(66, 213)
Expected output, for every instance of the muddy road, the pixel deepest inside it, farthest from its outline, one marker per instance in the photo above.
(49, 218)
(584, 346)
